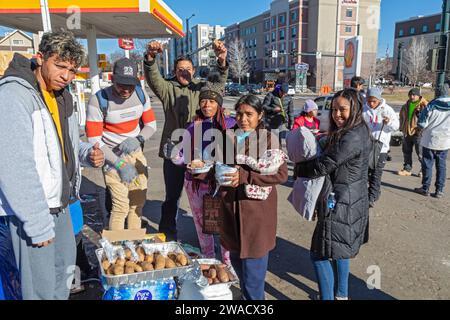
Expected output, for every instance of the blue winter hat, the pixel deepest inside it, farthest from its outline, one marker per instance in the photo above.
(375, 93)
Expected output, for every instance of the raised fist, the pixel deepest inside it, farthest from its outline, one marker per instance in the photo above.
(153, 48)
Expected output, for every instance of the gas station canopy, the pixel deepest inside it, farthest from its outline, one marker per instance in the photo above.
(93, 19)
(111, 18)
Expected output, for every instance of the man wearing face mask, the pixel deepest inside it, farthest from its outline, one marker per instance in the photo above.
(121, 119)
(180, 99)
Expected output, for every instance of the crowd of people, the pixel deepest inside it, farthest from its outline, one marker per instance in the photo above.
(41, 174)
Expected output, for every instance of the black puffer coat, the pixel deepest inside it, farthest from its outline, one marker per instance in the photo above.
(340, 232)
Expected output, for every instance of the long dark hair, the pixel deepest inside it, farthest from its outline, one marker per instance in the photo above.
(254, 102)
(355, 119)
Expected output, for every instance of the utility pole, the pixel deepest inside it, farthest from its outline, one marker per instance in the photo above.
(442, 62)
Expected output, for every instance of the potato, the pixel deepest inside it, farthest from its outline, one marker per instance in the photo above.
(160, 262)
(170, 264)
(128, 254)
(212, 273)
(147, 266)
(216, 281)
(120, 262)
(129, 270)
(149, 258)
(118, 270)
(205, 267)
(105, 264)
(130, 264)
(181, 258)
(141, 253)
(110, 271)
(222, 275)
(140, 250)
(138, 268)
(172, 256)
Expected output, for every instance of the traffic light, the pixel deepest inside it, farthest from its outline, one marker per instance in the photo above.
(432, 59)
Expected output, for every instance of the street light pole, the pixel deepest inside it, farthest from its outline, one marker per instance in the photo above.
(445, 21)
(187, 32)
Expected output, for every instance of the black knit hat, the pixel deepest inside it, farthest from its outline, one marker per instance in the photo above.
(414, 92)
(212, 91)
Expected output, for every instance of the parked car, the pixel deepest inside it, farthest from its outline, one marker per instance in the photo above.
(255, 88)
(291, 91)
(238, 90)
(324, 104)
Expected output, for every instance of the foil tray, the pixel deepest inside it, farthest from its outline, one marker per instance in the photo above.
(229, 268)
(135, 278)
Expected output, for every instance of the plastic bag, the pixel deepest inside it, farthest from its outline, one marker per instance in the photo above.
(10, 287)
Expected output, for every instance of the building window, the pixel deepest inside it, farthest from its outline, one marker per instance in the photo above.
(294, 16)
(412, 30)
(274, 37)
(267, 38)
(348, 29)
(437, 27)
(401, 33)
(267, 25)
(273, 21)
(282, 19)
(294, 45)
(349, 13)
(425, 29)
(283, 47)
(18, 42)
(266, 64)
(282, 34)
(294, 32)
(254, 42)
(254, 54)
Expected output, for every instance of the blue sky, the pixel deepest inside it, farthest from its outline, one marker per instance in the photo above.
(231, 11)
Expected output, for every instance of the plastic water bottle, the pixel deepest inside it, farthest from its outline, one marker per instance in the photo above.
(331, 202)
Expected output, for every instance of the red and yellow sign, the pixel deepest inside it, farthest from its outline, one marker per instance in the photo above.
(349, 55)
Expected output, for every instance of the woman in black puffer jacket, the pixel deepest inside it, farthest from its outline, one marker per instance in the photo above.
(342, 219)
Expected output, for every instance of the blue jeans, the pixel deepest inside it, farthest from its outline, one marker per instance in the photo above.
(174, 182)
(429, 158)
(332, 276)
(252, 275)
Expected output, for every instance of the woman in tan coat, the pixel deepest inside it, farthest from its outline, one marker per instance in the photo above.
(249, 225)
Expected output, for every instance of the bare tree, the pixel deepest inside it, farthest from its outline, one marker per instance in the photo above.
(116, 55)
(415, 61)
(237, 59)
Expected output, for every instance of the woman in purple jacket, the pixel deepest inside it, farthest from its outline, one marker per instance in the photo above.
(209, 116)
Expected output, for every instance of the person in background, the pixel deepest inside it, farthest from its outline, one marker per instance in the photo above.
(279, 109)
(358, 83)
(308, 118)
(180, 99)
(409, 116)
(382, 121)
(434, 120)
(121, 119)
(341, 224)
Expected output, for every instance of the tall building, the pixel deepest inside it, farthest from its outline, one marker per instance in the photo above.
(199, 36)
(426, 27)
(308, 27)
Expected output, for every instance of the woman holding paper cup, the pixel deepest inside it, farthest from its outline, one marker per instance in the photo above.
(249, 225)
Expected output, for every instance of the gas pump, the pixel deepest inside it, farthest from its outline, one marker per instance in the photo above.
(77, 89)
